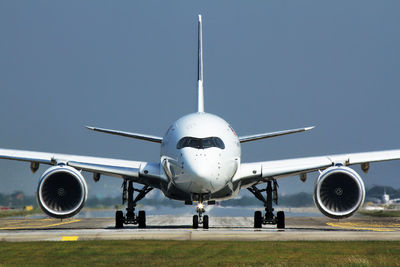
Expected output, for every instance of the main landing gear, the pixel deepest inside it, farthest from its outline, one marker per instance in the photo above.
(269, 217)
(200, 219)
(131, 217)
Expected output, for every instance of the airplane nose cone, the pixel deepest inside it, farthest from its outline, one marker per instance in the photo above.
(201, 171)
(200, 174)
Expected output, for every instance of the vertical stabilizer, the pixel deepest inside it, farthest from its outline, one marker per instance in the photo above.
(200, 91)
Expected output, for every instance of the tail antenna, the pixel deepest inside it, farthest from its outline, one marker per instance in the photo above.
(200, 91)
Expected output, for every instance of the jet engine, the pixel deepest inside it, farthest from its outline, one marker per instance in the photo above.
(62, 191)
(339, 192)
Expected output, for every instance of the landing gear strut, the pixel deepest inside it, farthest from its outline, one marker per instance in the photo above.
(200, 219)
(269, 217)
(131, 217)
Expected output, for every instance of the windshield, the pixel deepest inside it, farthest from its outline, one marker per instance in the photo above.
(200, 143)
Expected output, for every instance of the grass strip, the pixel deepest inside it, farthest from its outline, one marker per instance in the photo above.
(13, 213)
(380, 213)
(200, 253)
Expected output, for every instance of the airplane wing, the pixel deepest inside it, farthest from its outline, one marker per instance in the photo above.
(250, 173)
(145, 137)
(140, 172)
(254, 137)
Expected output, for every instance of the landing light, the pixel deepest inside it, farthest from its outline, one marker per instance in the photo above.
(200, 206)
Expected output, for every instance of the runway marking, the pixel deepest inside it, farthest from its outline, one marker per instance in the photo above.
(390, 227)
(69, 238)
(37, 224)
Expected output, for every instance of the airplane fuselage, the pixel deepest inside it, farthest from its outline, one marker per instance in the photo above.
(200, 153)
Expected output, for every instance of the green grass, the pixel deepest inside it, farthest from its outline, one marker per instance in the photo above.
(199, 253)
(12, 213)
(380, 213)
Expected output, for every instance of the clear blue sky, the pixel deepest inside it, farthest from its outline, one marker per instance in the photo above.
(131, 65)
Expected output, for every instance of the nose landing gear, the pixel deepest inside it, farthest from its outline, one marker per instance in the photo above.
(200, 219)
(131, 217)
(269, 217)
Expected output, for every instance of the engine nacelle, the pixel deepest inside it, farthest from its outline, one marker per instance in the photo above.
(339, 192)
(62, 192)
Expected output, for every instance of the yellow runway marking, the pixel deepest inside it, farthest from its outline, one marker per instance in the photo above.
(390, 227)
(69, 238)
(36, 224)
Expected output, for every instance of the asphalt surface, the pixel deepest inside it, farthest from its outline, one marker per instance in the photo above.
(179, 228)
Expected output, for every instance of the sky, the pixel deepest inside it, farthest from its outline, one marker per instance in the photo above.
(131, 65)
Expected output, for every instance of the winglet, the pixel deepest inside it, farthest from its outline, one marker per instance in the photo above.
(200, 91)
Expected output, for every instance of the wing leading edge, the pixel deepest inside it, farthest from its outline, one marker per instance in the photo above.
(141, 172)
(262, 171)
(254, 137)
(145, 137)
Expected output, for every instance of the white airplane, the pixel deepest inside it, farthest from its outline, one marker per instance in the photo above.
(385, 199)
(200, 162)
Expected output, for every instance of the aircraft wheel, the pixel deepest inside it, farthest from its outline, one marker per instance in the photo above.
(119, 219)
(281, 220)
(142, 219)
(195, 221)
(205, 222)
(257, 219)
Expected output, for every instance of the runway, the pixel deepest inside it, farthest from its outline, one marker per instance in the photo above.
(166, 227)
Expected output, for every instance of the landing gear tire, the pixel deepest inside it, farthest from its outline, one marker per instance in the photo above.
(280, 216)
(119, 219)
(257, 219)
(142, 219)
(195, 221)
(205, 222)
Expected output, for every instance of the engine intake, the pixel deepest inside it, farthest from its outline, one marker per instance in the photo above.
(339, 192)
(62, 192)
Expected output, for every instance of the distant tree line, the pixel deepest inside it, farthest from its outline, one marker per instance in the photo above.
(378, 191)
(16, 200)
(296, 200)
(19, 200)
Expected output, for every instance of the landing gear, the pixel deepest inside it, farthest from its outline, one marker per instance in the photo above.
(280, 220)
(131, 217)
(258, 219)
(195, 221)
(200, 219)
(141, 219)
(269, 217)
(119, 219)
(205, 222)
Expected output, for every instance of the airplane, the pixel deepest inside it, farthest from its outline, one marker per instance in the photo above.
(200, 163)
(386, 200)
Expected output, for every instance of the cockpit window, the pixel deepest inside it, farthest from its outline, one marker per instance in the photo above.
(200, 143)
